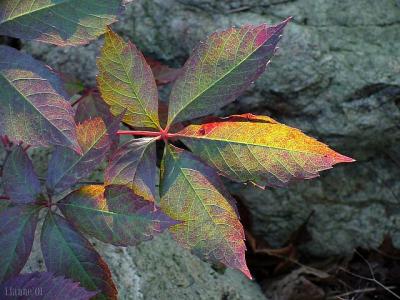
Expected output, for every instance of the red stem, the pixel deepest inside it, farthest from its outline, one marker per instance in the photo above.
(160, 134)
(139, 133)
(4, 197)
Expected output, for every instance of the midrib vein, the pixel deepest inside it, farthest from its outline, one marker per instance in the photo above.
(205, 139)
(33, 11)
(130, 80)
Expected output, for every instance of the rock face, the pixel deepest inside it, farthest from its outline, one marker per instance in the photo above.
(336, 77)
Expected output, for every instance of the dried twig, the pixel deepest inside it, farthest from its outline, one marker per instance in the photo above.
(359, 291)
(372, 278)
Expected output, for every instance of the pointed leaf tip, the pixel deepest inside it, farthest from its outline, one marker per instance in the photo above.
(340, 158)
(245, 270)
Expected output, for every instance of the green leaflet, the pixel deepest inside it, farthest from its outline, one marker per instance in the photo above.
(221, 68)
(126, 82)
(191, 192)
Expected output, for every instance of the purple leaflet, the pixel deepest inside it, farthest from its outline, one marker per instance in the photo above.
(114, 214)
(134, 165)
(17, 230)
(67, 167)
(68, 253)
(43, 286)
(33, 108)
(20, 181)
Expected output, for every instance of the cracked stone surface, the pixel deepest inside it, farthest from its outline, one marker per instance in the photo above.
(336, 76)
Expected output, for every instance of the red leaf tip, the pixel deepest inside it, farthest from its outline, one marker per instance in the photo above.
(339, 158)
(245, 271)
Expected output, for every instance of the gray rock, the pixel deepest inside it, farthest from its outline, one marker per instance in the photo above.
(336, 77)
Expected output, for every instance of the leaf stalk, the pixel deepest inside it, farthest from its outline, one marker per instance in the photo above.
(162, 134)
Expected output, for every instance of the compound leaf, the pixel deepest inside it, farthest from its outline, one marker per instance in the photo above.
(33, 108)
(67, 167)
(134, 165)
(68, 253)
(126, 81)
(46, 286)
(259, 149)
(59, 22)
(17, 231)
(20, 181)
(114, 214)
(221, 68)
(192, 192)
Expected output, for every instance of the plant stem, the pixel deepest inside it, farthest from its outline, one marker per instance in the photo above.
(139, 133)
(4, 197)
(162, 134)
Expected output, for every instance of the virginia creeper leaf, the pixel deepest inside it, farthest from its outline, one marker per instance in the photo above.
(221, 68)
(59, 22)
(17, 231)
(66, 167)
(44, 286)
(114, 214)
(193, 193)
(134, 165)
(259, 149)
(20, 181)
(126, 81)
(68, 253)
(32, 103)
